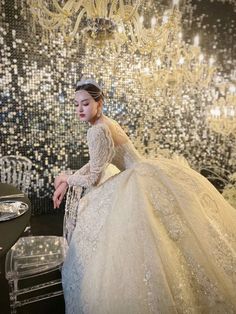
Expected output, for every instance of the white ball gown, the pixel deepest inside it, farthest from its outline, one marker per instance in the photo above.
(155, 238)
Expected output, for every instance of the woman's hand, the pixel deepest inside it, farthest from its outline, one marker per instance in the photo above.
(62, 178)
(59, 194)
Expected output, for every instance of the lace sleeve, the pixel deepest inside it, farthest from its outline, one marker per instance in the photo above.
(101, 152)
(82, 170)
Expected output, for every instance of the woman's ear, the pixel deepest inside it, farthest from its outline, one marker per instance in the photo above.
(100, 103)
(99, 108)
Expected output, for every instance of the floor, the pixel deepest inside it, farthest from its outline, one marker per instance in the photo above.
(47, 224)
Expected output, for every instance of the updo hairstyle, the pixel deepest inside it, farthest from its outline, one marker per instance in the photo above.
(93, 91)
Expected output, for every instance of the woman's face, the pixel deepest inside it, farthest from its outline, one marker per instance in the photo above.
(86, 106)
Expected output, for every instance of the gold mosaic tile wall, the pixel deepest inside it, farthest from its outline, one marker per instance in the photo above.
(37, 114)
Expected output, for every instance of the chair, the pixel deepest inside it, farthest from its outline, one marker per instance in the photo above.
(39, 258)
(16, 170)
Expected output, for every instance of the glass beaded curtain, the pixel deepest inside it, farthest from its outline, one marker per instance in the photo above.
(37, 113)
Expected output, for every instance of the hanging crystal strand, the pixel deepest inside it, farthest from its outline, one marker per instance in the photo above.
(72, 203)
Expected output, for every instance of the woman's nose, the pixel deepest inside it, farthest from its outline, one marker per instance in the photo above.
(80, 108)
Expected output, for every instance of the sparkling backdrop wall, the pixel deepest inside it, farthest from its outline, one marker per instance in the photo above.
(36, 97)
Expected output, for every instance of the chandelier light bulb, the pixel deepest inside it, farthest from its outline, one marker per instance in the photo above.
(232, 112)
(181, 60)
(120, 29)
(153, 21)
(232, 89)
(211, 61)
(225, 111)
(165, 18)
(158, 62)
(175, 3)
(146, 70)
(201, 57)
(141, 19)
(215, 112)
(196, 41)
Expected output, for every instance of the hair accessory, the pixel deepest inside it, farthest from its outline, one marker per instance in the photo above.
(84, 81)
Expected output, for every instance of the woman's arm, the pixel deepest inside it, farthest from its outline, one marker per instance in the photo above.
(101, 152)
(59, 194)
(62, 177)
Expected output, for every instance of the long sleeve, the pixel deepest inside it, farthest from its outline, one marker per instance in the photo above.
(82, 170)
(101, 152)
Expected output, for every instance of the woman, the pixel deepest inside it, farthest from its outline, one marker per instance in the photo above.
(155, 238)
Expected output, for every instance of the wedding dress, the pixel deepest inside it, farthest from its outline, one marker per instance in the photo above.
(155, 238)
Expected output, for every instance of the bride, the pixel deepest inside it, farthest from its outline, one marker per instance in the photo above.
(155, 238)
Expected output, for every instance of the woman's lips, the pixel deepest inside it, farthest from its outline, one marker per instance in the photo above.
(82, 115)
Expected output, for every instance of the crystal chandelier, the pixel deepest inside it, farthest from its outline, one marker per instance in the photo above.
(221, 116)
(169, 63)
(157, 37)
(96, 20)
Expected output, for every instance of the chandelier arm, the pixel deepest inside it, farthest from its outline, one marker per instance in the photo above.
(78, 5)
(210, 74)
(138, 3)
(94, 6)
(57, 6)
(69, 5)
(90, 8)
(49, 24)
(104, 8)
(138, 29)
(133, 38)
(45, 10)
(55, 26)
(100, 8)
(122, 10)
(114, 3)
(78, 20)
(97, 7)
(63, 10)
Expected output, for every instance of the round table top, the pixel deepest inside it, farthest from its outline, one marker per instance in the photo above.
(11, 230)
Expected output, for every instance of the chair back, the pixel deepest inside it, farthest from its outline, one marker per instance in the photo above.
(16, 170)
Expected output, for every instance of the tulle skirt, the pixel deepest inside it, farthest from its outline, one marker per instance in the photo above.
(155, 238)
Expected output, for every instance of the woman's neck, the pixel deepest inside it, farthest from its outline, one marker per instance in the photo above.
(97, 120)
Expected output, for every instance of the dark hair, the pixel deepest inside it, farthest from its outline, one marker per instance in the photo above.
(93, 91)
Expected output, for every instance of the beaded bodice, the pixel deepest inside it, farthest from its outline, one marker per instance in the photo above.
(107, 144)
(125, 156)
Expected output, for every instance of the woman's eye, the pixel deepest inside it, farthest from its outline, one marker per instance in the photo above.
(77, 104)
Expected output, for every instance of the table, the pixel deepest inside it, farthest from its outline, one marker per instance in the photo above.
(11, 230)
